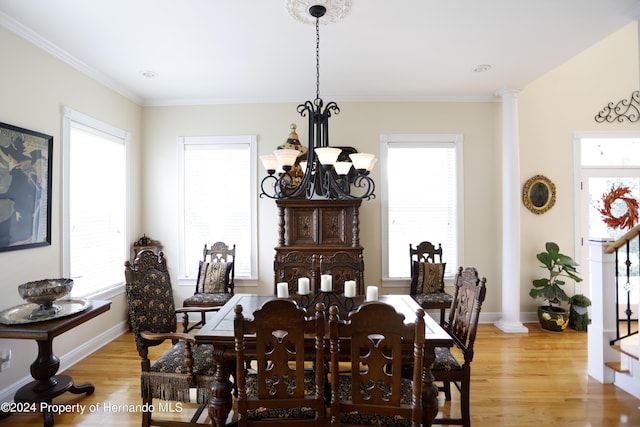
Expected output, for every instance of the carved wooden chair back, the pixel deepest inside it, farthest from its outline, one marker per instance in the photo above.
(342, 266)
(374, 392)
(425, 251)
(294, 265)
(281, 390)
(469, 294)
(152, 314)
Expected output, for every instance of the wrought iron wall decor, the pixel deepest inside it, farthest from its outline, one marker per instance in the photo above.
(324, 174)
(624, 109)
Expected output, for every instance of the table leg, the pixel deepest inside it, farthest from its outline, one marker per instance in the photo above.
(429, 389)
(221, 402)
(47, 384)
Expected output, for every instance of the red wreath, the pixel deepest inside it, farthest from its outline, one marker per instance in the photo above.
(627, 220)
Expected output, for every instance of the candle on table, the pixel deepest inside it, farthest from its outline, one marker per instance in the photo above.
(325, 283)
(350, 288)
(372, 293)
(283, 290)
(303, 286)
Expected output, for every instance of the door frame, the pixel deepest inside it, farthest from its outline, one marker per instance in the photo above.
(582, 173)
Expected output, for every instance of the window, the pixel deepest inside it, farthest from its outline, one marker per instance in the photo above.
(218, 200)
(95, 226)
(421, 199)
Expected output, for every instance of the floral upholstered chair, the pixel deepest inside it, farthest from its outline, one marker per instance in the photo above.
(152, 313)
(215, 282)
(427, 278)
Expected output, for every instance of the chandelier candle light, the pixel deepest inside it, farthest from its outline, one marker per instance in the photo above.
(325, 175)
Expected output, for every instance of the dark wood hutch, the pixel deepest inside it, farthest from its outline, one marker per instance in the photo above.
(315, 227)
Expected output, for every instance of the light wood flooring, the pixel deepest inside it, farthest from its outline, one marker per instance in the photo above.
(518, 380)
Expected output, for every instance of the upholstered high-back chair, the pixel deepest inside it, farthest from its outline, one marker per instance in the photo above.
(373, 392)
(280, 391)
(427, 278)
(469, 294)
(215, 282)
(182, 368)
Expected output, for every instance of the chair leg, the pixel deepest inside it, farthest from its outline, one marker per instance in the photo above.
(146, 414)
(442, 316)
(464, 400)
(447, 390)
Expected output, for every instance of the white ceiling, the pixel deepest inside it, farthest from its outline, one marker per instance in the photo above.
(231, 51)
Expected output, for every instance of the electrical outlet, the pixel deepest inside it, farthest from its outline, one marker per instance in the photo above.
(5, 360)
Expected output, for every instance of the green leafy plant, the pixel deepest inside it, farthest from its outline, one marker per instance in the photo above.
(559, 266)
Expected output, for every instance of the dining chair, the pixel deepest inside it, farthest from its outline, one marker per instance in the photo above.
(292, 266)
(215, 280)
(183, 367)
(427, 278)
(373, 392)
(469, 294)
(280, 390)
(342, 266)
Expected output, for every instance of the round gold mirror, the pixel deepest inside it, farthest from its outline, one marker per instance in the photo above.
(539, 194)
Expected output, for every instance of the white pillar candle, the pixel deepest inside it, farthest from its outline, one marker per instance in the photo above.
(283, 290)
(372, 293)
(325, 283)
(350, 288)
(303, 286)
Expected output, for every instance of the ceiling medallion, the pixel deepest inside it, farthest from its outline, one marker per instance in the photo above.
(336, 10)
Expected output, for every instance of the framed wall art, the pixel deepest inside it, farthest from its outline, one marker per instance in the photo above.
(539, 194)
(25, 188)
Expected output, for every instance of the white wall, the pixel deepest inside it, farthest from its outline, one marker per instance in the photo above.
(35, 87)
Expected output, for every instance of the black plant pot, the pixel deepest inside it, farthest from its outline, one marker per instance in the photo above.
(553, 319)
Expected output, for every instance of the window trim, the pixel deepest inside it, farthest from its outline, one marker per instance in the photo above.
(412, 140)
(68, 116)
(208, 140)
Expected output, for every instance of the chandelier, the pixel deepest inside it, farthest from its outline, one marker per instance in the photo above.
(327, 172)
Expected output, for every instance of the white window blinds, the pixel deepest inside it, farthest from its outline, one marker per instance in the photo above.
(421, 198)
(218, 200)
(96, 209)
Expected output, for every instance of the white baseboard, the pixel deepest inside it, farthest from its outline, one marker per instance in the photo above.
(71, 358)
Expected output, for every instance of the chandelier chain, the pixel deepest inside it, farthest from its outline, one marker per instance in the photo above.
(317, 58)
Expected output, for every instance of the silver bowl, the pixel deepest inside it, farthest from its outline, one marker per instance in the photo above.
(44, 293)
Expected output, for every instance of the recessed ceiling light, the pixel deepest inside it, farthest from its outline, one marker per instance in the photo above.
(482, 68)
(149, 74)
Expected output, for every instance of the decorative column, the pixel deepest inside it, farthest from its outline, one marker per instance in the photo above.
(510, 321)
(603, 316)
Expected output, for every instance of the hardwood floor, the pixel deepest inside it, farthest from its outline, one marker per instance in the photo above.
(516, 380)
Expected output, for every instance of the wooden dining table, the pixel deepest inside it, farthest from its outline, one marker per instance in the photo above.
(218, 331)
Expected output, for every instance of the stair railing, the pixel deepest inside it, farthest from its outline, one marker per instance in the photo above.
(624, 242)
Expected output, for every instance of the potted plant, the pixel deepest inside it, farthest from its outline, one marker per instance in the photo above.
(579, 314)
(559, 266)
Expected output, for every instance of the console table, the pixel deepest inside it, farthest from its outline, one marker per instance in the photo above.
(314, 227)
(47, 384)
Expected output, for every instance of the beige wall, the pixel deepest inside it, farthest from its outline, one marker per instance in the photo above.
(359, 125)
(552, 109)
(35, 87)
